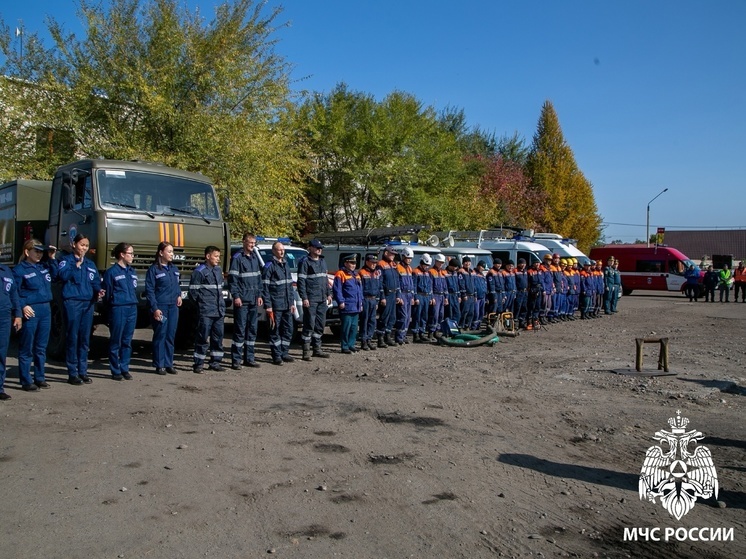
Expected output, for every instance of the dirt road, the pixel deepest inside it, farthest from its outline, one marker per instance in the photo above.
(532, 448)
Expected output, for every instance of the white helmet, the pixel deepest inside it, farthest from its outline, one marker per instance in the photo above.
(426, 259)
(407, 252)
(440, 257)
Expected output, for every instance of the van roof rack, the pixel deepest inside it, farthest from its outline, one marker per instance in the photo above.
(373, 236)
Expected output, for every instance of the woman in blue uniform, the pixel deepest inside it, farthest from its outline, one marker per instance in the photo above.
(34, 280)
(164, 297)
(10, 315)
(120, 284)
(81, 290)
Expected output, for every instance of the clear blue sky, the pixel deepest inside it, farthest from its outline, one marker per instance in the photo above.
(649, 94)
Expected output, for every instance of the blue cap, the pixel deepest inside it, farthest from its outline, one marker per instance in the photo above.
(316, 244)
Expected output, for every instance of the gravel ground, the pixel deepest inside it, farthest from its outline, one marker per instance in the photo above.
(530, 448)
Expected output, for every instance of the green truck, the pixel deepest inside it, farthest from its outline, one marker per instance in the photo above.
(110, 201)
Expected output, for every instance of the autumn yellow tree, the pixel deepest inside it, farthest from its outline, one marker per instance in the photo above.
(570, 208)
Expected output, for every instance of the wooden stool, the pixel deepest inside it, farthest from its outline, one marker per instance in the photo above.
(662, 356)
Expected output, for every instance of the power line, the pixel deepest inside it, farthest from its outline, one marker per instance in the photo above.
(685, 227)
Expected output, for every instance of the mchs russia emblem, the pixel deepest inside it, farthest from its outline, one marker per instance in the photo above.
(678, 474)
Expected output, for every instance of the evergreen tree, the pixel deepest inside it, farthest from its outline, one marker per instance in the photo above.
(570, 207)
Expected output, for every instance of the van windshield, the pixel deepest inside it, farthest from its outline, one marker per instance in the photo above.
(141, 191)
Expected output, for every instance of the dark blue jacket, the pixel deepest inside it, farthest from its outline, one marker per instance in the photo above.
(452, 283)
(34, 282)
(389, 277)
(347, 289)
(278, 285)
(206, 289)
(495, 281)
(371, 282)
(480, 285)
(521, 279)
(313, 279)
(508, 280)
(162, 286)
(9, 300)
(423, 282)
(120, 285)
(80, 284)
(466, 282)
(245, 277)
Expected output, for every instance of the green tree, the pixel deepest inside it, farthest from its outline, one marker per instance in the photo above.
(381, 163)
(152, 80)
(570, 206)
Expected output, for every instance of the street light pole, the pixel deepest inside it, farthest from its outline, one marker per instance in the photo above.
(647, 222)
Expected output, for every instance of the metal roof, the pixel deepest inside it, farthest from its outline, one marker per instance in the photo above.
(697, 244)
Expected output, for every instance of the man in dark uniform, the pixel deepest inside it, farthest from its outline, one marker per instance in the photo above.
(279, 302)
(391, 292)
(520, 307)
(468, 292)
(206, 289)
(316, 294)
(245, 284)
(453, 309)
(370, 277)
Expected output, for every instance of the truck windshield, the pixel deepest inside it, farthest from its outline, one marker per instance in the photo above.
(146, 192)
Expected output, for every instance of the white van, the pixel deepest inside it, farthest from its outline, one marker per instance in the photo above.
(474, 254)
(495, 241)
(564, 247)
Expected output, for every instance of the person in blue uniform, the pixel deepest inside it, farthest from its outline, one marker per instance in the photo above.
(391, 292)
(423, 302)
(316, 295)
(206, 289)
(80, 291)
(495, 288)
(440, 295)
(347, 291)
(406, 297)
(453, 309)
(509, 286)
(279, 302)
(10, 317)
(370, 278)
(34, 281)
(520, 307)
(480, 294)
(468, 293)
(245, 283)
(163, 292)
(120, 284)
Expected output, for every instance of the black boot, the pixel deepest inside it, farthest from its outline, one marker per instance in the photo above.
(318, 352)
(306, 352)
(381, 342)
(388, 338)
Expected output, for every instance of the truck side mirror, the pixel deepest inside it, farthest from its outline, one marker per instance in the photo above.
(68, 192)
(226, 207)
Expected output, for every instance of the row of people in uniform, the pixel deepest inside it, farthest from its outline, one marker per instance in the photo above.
(27, 299)
(384, 299)
(423, 297)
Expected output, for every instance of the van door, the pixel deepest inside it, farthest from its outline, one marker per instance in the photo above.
(675, 277)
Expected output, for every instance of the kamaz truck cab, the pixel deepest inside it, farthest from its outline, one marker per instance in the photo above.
(142, 204)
